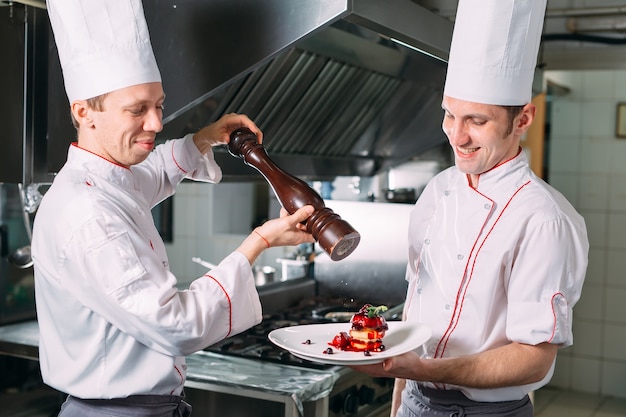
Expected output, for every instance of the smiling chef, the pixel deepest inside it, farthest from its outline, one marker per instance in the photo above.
(114, 328)
(497, 257)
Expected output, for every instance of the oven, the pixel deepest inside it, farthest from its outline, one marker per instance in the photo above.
(352, 394)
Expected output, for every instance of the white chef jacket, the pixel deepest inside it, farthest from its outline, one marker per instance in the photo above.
(501, 263)
(112, 323)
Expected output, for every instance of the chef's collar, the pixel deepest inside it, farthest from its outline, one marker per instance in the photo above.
(492, 178)
(99, 168)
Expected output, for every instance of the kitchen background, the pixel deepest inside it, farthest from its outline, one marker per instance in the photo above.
(582, 83)
(584, 160)
(587, 162)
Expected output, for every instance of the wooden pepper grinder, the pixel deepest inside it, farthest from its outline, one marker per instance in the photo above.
(334, 235)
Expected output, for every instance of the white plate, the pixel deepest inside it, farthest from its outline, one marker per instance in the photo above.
(400, 338)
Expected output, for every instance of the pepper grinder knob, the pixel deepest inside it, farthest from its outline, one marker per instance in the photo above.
(336, 236)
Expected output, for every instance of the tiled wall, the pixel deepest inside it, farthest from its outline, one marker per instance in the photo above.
(587, 163)
(211, 221)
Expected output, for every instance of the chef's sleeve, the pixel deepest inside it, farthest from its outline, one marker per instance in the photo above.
(546, 282)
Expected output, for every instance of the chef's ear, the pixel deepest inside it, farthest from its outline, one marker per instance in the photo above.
(81, 113)
(525, 118)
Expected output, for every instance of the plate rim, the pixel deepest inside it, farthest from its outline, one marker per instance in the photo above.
(329, 361)
(351, 360)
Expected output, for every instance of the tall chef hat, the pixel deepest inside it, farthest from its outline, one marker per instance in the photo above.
(494, 51)
(103, 45)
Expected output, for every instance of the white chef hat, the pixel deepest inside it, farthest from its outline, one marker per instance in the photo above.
(494, 51)
(103, 45)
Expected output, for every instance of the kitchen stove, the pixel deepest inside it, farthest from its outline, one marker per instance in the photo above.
(354, 394)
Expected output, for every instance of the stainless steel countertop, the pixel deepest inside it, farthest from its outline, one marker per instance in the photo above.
(211, 371)
(20, 340)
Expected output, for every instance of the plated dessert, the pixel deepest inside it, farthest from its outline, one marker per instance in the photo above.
(368, 328)
(314, 342)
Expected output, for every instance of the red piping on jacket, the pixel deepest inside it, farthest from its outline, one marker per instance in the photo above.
(230, 306)
(175, 161)
(554, 315)
(469, 179)
(99, 156)
(458, 306)
(182, 379)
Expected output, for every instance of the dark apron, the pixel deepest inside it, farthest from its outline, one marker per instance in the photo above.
(133, 406)
(421, 401)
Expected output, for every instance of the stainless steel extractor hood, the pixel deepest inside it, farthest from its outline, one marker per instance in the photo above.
(339, 87)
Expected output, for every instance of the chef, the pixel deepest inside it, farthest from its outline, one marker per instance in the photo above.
(114, 328)
(497, 257)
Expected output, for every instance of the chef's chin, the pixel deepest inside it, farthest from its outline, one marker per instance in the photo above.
(137, 157)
